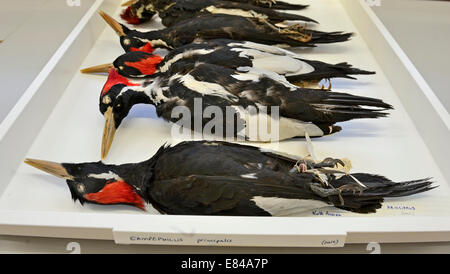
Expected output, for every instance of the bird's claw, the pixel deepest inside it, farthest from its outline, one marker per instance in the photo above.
(297, 32)
(268, 2)
(296, 28)
(348, 188)
(322, 87)
(302, 166)
(351, 188)
(330, 162)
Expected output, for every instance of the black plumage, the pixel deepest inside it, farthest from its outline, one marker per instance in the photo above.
(143, 10)
(220, 178)
(181, 10)
(234, 54)
(222, 87)
(213, 26)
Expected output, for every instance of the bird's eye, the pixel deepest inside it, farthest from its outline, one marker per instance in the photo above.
(106, 100)
(121, 67)
(127, 41)
(81, 188)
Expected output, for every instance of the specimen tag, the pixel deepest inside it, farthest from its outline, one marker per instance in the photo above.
(149, 238)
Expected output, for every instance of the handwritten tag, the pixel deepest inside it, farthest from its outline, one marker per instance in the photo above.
(125, 237)
(201, 239)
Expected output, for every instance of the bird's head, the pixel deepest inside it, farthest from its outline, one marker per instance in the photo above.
(138, 13)
(118, 96)
(134, 64)
(99, 183)
(129, 39)
(130, 43)
(137, 64)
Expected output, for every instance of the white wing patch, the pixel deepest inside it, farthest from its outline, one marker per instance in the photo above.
(287, 127)
(284, 65)
(287, 207)
(273, 59)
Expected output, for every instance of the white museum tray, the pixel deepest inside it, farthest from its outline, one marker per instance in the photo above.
(58, 119)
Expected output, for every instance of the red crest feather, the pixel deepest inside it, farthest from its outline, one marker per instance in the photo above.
(129, 17)
(146, 66)
(115, 78)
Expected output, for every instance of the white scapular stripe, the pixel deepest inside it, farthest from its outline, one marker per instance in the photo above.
(249, 176)
(206, 88)
(182, 55)
(262, 47)
(237, 12)
(154, 90)
(106, 176)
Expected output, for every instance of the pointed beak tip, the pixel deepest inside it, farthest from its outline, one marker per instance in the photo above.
(33, 162)
(109, 131)
(97, 69)
(27, 161)
(116, 26)
(127, 3)
(56, 169)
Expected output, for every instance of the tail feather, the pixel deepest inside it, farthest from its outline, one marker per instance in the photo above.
(353, 100)
(287, 6)
(378, 188)
(340, 107)
(327, 71)
(283, 16)
(319, 37)
(348, 69)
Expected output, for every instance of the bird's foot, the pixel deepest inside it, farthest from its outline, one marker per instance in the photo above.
(296, 28)
(327, 192)
(301, 166)
(330, 162)
(307, 84)
(322, 191)
(267, 2)
(302, 37)
(351, 188)
(322, 87)
(297, 32)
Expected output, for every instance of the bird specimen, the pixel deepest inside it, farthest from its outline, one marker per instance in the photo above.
(220, 178)
(201, 85)
(143, 10)
(180, 10)
(232, 54)
(212, 26)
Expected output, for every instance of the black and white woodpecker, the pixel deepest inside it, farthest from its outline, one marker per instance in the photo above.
(214, 26)
(237, 92)
(231, 54)
(220, 178)
(142, 11)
